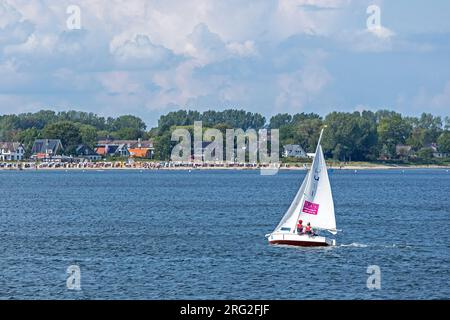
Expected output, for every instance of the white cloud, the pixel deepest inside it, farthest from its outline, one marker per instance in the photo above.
(382, 32)
(142, 53)
(426, 100)
(204, 45)
(245, 49)
(367, 40)
(323, 4)
(441, 101)
(119, 83)
(13, 28)
(299, 88)
(9, 15)
(152, 55)
(207, 47)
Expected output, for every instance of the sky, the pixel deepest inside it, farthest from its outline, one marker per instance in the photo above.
(269, 56)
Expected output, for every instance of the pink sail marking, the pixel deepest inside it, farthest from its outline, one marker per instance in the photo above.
(310, 207)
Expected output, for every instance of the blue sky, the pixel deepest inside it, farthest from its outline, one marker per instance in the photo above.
(268, 56)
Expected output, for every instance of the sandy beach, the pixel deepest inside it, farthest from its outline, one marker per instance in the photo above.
(102, 166)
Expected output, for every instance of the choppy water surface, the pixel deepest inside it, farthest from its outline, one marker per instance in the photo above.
(200, 235)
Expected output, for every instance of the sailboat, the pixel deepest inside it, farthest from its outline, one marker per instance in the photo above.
(312, 204)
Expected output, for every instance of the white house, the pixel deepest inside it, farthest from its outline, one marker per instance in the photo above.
(11, 151)
(294, 150)
(436, 152)
(404, 151)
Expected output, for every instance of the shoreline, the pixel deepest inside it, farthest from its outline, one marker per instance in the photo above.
(153, 167)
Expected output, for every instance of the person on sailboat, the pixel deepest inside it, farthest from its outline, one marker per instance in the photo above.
(309, 230)
(300, 227)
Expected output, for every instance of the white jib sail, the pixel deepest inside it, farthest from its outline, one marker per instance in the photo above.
(290, 217)
(314, 201)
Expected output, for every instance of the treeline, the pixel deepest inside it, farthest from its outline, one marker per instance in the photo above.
(353, 136)
(72, 127)
(222, 120)
(368, 135)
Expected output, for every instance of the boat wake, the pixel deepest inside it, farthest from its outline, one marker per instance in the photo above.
(362, 245)
(354, 244)
(399, 246)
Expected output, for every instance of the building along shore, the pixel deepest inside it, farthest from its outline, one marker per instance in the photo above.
(162, 165)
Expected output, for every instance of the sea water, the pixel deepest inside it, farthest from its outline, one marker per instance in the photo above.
(200, 235)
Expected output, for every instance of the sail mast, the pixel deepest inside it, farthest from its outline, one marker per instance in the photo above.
(320, 138)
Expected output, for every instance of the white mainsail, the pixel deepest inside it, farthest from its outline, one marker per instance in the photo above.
(314, 201)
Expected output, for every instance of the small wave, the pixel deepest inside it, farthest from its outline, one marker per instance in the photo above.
(401, 246)
(354, 244)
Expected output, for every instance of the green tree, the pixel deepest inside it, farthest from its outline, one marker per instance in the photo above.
(432, 127)
(27, 138)
(234, 118)
(392, 130)
(306, 133)
(178, 118)
(300, 117)
(103, 135)
(444, 142)
(8, 125)
(350, 136)
(420, 138)
(222, 127)
(287, 134)
(447, 123)
(67, 132)
(88, 135)
(231, 117)
(413, 122)
(83, 118)
(381, 114)
(279, 120)
(127, 122)
(128, 134)
(296, 129)
(163, 146)
(425, 153)
(37, 120)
